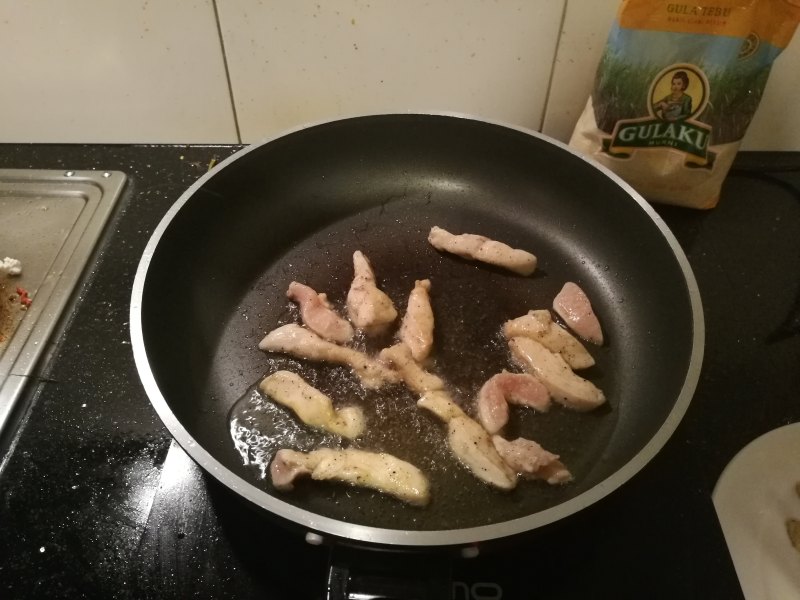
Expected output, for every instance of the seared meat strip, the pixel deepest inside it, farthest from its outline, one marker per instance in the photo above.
(299, 342)
(441, 404)
(10, 266)
(483, 249)
(572, 304)
(379, 471)
(470, 442)
(415, 377)
(532, 461)
(472, 445)
(318, 315)
(564, 385)
(368, 308)
(506, 388)
(313, 407)
(416, 328)
(539, 325)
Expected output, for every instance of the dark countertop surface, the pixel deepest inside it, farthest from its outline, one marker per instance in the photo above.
(91, 507)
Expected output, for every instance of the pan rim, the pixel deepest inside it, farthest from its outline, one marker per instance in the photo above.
(327, 526)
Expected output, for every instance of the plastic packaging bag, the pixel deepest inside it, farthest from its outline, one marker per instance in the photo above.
(676, 89)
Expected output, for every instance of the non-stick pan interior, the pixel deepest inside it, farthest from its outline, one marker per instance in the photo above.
(297, 207)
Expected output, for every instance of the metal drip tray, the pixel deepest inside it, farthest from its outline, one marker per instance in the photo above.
(51, 222)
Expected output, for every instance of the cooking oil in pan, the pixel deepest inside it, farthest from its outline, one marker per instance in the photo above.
(259, 428)
(470, 305)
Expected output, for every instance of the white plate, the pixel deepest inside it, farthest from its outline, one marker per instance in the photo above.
(753, 498)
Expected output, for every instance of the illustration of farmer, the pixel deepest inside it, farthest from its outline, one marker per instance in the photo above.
(677, 105)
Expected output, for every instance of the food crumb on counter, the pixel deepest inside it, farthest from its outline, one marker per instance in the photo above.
(24, 299)
(10, 266)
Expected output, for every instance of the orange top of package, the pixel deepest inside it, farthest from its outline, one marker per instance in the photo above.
(773, 21)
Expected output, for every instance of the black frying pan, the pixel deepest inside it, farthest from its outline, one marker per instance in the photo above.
(213, 279)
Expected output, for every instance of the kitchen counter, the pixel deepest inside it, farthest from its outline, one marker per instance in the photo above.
(97, 502)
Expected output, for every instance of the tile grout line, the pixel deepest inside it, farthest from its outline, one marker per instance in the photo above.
(543, 116)
(227, 72)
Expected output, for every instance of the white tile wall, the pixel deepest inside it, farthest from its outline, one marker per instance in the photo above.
(583, 38)
(776, 124)
(305, 60)
(112, 71)
(154, 71)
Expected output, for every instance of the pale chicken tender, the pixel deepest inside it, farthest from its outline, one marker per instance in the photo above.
(318, 314)
(469, 442)
(416, 378)
(564, 385)
(477, 247)
(473, 446)
(295, 340)
(539, 325)
(441, 404)
(312, 407)
(502, 389)
(572, 304)
(368, 308)
(416, 328)
(532, 461)
(375, 470)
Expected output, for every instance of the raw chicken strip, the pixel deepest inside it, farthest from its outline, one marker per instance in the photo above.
(572, 304)
(564, 385)
(313, 407)
(506, 388)
(369, 309)
(480, 248)
(470, 442)
(415, 377)
(318, 315)
(539, 325)
(416, 329)
(299, 342)
(531, 460)
(378, 471)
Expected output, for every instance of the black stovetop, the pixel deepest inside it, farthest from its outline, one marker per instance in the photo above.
(97, 502)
